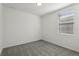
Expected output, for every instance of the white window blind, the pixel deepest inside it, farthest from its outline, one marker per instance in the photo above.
(66, 22)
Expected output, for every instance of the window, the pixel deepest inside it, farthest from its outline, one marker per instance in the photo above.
(66, 22)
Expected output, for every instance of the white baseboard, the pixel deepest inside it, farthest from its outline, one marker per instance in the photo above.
(61, 45)
(20, 43)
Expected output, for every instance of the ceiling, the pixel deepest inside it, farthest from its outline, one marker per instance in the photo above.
(37, 10)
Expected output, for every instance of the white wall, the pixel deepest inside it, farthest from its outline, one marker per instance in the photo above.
(51, 34)
(20, 27)
(1, 29)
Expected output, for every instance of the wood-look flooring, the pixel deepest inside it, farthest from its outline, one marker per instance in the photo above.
(38, 48)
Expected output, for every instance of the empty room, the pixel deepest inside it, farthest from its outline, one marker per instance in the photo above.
(39, 29)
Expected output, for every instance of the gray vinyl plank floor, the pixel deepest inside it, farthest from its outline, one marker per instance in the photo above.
(38, 48)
